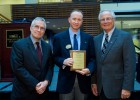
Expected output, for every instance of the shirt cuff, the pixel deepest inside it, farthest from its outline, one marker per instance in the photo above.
(88, 74)
(63, 67)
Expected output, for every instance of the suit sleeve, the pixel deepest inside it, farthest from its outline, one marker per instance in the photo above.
(91, 62)
(58, 59)
(19, 69)
(129, 63)
(93, 75)
(51, 66)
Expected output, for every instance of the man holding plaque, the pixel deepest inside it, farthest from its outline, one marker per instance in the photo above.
(74, 55)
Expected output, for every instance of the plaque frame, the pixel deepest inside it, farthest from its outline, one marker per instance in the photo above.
(12, 36)
(82, 63)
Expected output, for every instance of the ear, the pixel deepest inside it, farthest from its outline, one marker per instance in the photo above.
(69, 19)
(30, 28)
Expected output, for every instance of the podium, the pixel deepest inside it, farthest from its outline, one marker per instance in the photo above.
(10, 32)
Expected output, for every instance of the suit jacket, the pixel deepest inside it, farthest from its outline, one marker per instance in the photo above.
(27, 69)
(116, 68)
(138, 69)
(66, 77)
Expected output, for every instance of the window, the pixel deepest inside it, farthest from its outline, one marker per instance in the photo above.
(132, 25)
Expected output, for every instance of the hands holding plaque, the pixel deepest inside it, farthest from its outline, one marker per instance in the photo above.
(79, 59)
(77, 62)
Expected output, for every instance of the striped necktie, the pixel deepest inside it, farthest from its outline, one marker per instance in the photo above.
(105, 44)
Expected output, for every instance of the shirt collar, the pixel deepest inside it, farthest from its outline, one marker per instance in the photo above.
(33, 40)
(71, 33)
(110, 33)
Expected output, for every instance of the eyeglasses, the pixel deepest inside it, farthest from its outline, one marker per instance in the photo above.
(77, 20)
(38, 27)
(108, 19)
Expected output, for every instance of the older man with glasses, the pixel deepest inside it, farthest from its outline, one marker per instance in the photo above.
(32, 64)
(115, 59)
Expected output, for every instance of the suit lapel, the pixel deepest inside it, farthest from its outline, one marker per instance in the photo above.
(83, 41)
(44, 52)
(110, 44)
(67, 43)
(33, 51)
(31, 47)
(99, 42)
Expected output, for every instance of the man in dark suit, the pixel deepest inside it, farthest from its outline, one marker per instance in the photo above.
(33, 73)
(73, 85)
(115, 58)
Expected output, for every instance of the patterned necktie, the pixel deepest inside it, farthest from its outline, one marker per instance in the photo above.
(38, 49)
(75, 44)
(105, 44)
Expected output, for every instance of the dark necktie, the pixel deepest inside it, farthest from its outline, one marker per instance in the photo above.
(75, 44)
(38, 49)
(105, 44)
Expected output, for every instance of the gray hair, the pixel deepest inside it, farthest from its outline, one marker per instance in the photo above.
(39, 19)
(106, 11)
(76, 10)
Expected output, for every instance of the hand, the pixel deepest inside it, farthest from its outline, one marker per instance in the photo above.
(125, 94)
(84, 71)
(68, 62)
(94, 89)
(41, 86)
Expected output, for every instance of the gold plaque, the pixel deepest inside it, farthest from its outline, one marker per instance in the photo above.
(79, 57)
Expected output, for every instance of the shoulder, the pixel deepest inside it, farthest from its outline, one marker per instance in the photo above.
(96, 37)
(87, 35)
(122, 33)
(60, 34)
(44, 43)
(20, 44)
(22, 41)
(119, 31)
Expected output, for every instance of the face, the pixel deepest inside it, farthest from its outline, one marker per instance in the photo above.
(75, 21)
(37, 30)
(107, 21)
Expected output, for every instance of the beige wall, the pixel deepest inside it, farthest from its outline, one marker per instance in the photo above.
(5, 10)
(12, 2)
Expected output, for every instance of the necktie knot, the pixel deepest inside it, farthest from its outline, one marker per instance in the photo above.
(106, 37)
(37, 44)
(75, 35)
